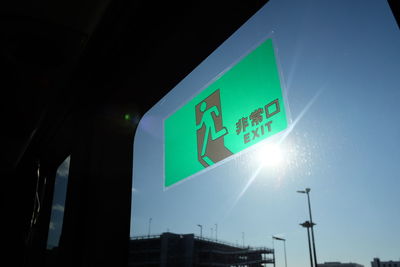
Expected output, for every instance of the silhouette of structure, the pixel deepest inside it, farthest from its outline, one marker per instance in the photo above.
(378, 263)
(171, 249)
(339, 264)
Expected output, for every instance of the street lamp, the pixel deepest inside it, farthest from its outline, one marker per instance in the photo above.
(149, 226)
(284, 246)
(273, 248)
(216, 232)
(307, 225)
(201, 230)
(307, 191)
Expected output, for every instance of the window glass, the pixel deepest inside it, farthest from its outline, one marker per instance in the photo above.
(339, 157)
(57, 209)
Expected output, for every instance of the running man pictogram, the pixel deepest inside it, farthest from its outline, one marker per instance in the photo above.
(210, 131)
(208, 121)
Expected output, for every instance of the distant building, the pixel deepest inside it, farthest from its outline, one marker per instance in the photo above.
(378, 263)
(339, 264)
(171, 249)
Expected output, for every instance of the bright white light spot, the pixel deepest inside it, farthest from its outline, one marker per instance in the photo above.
(270, 155)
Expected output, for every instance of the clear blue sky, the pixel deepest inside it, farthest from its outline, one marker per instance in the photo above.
(57, 209)
(340, 66)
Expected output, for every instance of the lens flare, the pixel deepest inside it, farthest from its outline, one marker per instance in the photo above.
(270, 155)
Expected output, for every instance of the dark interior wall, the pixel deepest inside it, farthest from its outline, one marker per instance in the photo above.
(96, 221)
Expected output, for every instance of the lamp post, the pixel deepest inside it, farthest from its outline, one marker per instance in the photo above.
(201, 230)
(149, 226)
(273, 249)
(284, 246)
(307, 225)
(307, 191)
(216, 232)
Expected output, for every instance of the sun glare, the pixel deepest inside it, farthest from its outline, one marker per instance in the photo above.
(270, 155)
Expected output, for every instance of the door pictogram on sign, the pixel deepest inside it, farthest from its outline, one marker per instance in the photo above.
(210, 131)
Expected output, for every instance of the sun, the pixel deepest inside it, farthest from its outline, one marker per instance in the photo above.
(270, 155)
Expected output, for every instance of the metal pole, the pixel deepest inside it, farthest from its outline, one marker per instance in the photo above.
(309, 246)
(201, 230)
(216, 232)
(284, 247)
(149, 226)
(273, 248)
(312, 228)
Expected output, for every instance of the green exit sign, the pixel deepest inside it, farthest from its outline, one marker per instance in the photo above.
(239, 109)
